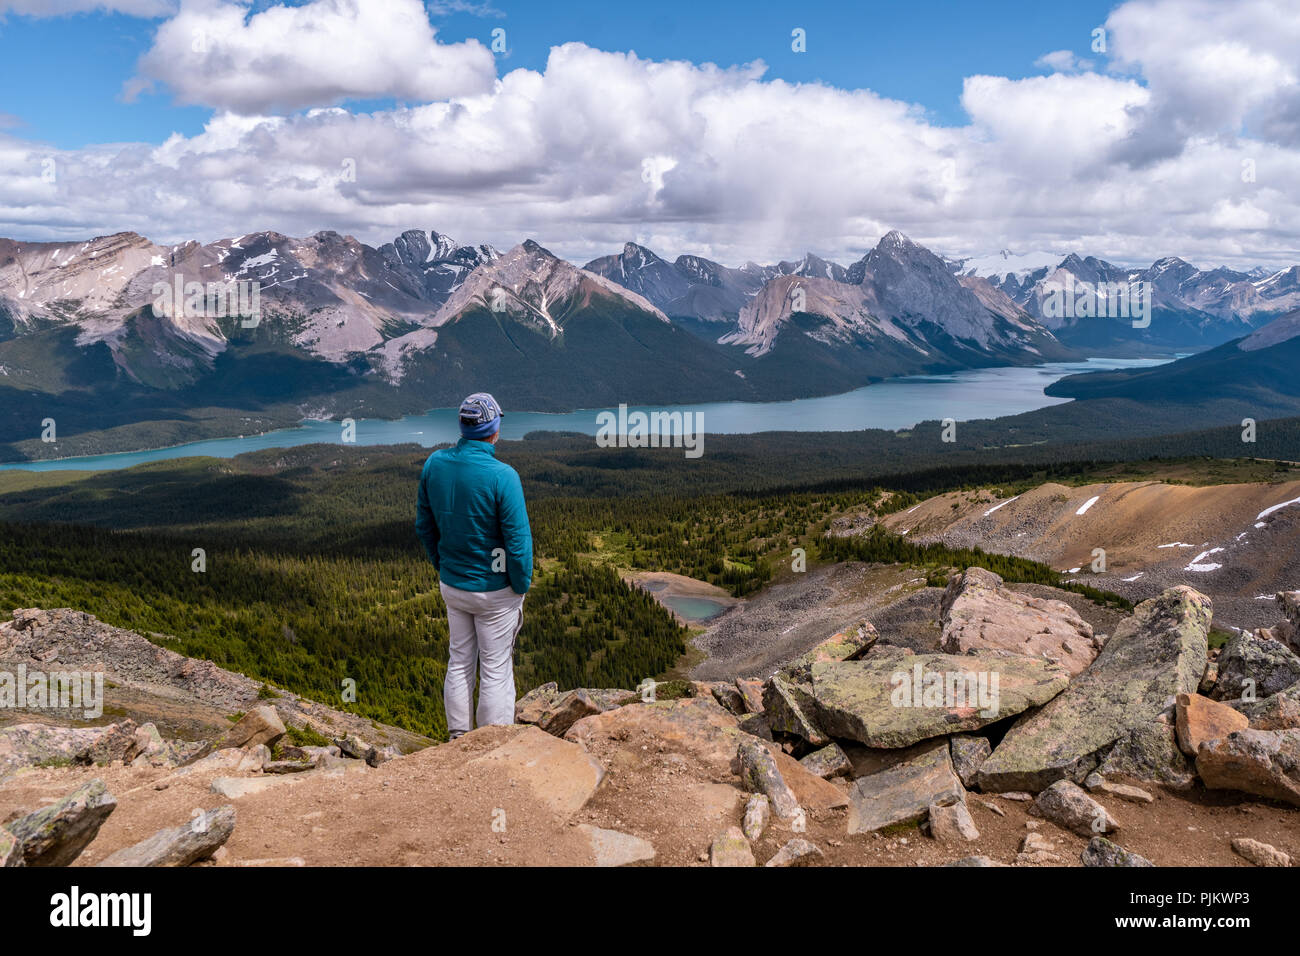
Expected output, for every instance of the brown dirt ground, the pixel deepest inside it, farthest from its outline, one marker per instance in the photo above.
(434, 808)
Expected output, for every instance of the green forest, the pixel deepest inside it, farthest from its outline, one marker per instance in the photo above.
(312, 573)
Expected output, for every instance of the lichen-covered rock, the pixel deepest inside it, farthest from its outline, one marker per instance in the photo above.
(731, 849)
(532, 707)
(196, 839)
(1251, 668)
(758, 811)
(760, 774)
(1103, 852)
(1149, 753)
(980, 614)
(904, 792)
(9, 851)
(846, 645)
(788, 708)
(1067, 805)
(354, 747)
(1263, 762)
(1281, 711)
(752, 692)
(1200, 719)
(968, 755)
(1154, 655)
(56, 835)
(830, 761)
(894, 701)
(729, 696)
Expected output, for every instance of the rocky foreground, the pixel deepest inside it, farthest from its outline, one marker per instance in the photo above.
(1028, 741)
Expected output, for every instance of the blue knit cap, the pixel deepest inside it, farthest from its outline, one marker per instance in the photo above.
(480, 415)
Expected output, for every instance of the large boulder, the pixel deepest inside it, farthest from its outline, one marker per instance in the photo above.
(56, 835)
(759, 773)
(1252, 667)
(194, 840)
(1200, 719)
(905, 791)
(895, 700)
(980, 614)
(1149, 753)
(261, 725)
(1154, 655)
(789, 708)
(1263, 762)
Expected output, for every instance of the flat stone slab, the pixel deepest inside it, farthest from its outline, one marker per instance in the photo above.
(560, 773)
(1156, 654)
(896, 701)
(615, 848)
(904, 792)
(980, 614)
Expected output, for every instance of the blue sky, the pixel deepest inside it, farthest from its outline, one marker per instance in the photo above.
(973, 127)
(62, 77)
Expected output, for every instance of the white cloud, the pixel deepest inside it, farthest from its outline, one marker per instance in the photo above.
(601, 147)
(214, 53)
(1214, 69)
(1063, 61)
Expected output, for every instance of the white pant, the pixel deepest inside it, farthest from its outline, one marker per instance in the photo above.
(483, 626)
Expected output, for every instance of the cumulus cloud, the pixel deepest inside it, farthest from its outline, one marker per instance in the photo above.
(214, 53)
(601, 147)
(1214, 70)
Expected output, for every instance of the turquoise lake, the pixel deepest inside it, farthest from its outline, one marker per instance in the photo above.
(894, 404)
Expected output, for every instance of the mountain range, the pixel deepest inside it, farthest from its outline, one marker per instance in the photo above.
(347, 329)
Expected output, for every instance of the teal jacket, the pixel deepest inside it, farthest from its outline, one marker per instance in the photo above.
(471, 518)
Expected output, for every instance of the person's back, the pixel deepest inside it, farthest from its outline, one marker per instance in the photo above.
(471, 518)
(480, 524)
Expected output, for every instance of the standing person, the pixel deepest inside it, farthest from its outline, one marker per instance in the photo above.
(471, 518)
